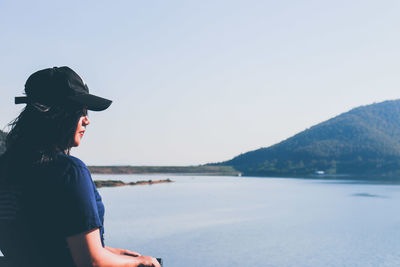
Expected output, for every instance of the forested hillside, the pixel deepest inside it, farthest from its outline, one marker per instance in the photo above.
(365, 140)
(2, 142)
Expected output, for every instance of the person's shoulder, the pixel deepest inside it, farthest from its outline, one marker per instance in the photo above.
(64, 159)
(73, 170)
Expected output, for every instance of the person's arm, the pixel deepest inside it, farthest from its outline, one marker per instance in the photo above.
(87, 251)
(121, 251)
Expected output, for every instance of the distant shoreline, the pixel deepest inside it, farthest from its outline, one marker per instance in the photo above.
(114, 183)
(193, 170)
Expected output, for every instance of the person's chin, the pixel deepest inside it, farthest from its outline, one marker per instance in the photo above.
(76, 144)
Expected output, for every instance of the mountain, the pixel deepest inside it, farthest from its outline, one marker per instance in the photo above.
(2, 142)
(363, 141)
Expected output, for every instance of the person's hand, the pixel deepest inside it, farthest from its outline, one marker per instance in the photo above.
(147, 261)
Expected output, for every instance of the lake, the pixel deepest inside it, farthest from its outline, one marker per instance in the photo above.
(211, 221)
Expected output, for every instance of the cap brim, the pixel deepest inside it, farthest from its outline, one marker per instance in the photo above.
(91, 102)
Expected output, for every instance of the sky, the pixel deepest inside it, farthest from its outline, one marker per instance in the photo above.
(194, 82)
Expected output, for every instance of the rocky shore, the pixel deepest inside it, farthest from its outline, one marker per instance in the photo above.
(113, 183)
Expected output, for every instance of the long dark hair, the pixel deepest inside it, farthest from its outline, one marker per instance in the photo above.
(40, 132)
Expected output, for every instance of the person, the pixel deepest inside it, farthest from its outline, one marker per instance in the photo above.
(50, 211)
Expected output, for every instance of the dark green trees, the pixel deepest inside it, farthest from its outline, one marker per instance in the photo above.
(2, 142)
(365, 140)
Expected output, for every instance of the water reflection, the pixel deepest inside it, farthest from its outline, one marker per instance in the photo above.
(367, 195)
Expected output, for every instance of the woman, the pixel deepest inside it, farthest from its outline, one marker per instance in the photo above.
(51, 212)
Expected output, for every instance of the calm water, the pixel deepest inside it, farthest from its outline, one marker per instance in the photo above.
(231, 221)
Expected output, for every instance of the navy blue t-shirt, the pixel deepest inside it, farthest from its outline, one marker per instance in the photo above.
(58, 200)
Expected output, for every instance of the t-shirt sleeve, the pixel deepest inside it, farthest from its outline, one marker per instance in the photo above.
(79, 213)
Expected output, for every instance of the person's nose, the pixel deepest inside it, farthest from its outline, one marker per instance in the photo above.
(86, 121)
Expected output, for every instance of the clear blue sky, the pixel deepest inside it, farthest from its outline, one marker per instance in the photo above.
(202, 81)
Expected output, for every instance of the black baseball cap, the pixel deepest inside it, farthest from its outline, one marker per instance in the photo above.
(60, 86)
